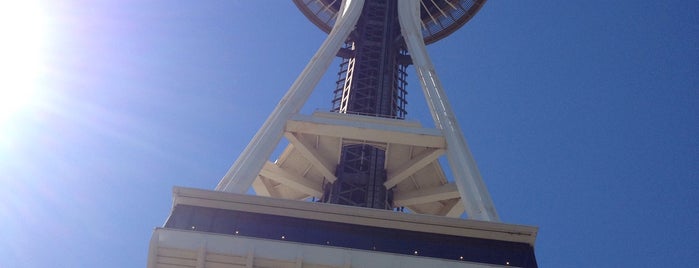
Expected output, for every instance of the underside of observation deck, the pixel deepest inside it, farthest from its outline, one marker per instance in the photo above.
(439, 18)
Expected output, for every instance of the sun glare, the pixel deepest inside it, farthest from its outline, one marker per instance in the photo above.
(21, 41)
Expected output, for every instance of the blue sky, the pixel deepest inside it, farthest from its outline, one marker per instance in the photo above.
(582, 115)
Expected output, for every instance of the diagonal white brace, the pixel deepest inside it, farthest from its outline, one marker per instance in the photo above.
(240, 176)
(427, 195)
(312, 155)
(452, 208)
(409, 168)
(293, 181)
(260, 188)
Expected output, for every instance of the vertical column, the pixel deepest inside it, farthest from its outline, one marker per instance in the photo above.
(201, 256)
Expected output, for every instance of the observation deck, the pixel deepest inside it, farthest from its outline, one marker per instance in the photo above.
(217, 229)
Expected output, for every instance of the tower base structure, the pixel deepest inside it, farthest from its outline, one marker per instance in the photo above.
(293, 181)
(219, 229)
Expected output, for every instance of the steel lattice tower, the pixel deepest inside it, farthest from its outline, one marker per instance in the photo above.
(371, 82)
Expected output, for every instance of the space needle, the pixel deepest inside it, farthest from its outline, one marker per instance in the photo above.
(358, 185)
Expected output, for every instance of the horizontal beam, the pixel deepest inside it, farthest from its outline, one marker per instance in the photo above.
(350, 127)
(427, 195)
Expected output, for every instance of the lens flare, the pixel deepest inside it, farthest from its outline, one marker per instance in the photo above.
(22, 35)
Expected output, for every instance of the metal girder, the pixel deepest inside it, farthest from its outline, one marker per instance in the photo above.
(452, 208)
(365, 130)
(260, 187)
(307, 150)
(293, 181)
(412, 166)
(265, 187)
(447, 191)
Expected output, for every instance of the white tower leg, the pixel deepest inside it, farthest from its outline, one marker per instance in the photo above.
(240, 176)
(473, 191)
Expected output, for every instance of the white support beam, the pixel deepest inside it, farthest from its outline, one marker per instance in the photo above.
(291, 180)
(260, 187)
(311, 154)
(452, 208)
(271, 189)
(413, 165)
(364, 130)
(248, 165)
(466, 175)
(427, 195)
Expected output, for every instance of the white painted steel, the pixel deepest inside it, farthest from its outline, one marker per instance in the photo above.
(240, 176)
(452, 208)
(260, 188)
(404, 171)
(308, 152)
(427, 195)
(314, 149)
(294, 181)
(354, 127)
(473, 191)
(248, 166)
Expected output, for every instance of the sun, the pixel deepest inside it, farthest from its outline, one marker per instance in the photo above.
(22, 36)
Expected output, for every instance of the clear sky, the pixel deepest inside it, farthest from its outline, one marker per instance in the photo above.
(582, 115)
